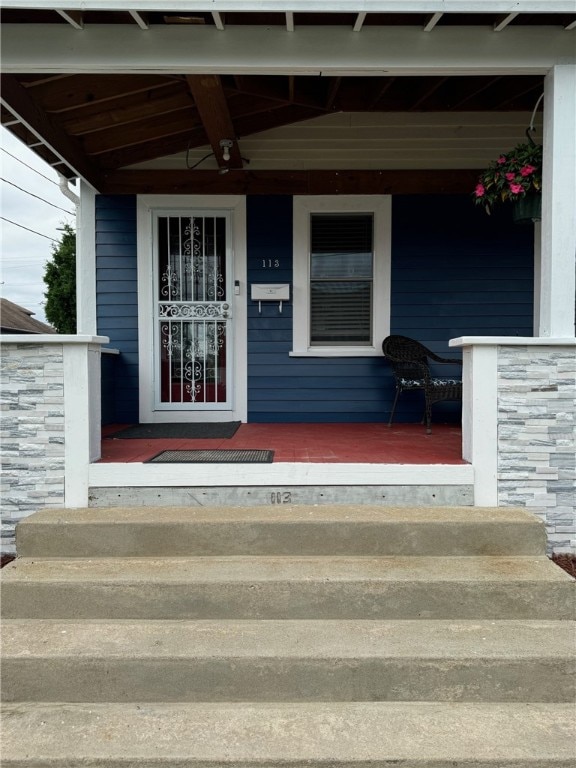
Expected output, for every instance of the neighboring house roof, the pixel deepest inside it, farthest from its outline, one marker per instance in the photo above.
(16, 319)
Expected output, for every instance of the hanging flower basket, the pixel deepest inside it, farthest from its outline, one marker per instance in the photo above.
(515, 177)
(528, 209)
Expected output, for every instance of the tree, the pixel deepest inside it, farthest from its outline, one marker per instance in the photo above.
(60, 278)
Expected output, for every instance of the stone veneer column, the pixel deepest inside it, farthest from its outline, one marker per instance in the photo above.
(44, 391)
(519, 427)
(537, 436)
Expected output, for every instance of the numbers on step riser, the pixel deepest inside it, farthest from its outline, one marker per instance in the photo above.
(280, 497)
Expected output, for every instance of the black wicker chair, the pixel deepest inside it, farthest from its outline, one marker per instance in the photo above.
(410, 363)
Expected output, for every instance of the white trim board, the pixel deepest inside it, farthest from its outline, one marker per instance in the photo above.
(311, 50)
(381, 208)
(512, 341)
(109, 475)
(333, 6)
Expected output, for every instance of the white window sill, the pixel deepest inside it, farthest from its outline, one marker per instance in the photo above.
(336, 352)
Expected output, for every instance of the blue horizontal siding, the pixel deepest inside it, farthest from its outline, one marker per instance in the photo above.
(116, 238)
(116, 275)
(455, 272)
(110, 251)
(117, 298)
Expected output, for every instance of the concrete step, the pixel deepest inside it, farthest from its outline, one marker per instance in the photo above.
(316, 735)
(280, 530)
(122, 661)
(263, 587)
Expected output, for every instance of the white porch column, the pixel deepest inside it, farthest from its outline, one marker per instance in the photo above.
(518, 418)
(86, 262)
(480, 419)
(82, 408)
(558, 252)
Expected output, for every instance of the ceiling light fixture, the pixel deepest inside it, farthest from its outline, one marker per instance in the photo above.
(225, 146)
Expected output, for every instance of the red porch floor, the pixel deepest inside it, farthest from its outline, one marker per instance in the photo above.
(312, 443)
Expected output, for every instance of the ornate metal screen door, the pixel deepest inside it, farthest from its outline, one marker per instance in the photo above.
(193, 313)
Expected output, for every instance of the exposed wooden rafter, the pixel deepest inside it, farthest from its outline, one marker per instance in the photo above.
(290, 21)
(73, 91)
(157, 128)
(42, 125)
(212, 107)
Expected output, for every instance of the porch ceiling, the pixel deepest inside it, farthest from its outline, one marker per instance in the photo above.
(95, 124)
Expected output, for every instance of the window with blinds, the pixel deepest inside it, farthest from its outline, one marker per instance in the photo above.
(341, 279)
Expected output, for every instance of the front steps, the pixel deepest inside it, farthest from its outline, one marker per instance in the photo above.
(287, 636)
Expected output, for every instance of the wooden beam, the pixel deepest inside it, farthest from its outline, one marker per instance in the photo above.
(289, 21)
(210, 101)
(318, 182)
(572, 25)
(42, 125)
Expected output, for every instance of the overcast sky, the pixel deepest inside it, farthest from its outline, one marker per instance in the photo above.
(24, 253)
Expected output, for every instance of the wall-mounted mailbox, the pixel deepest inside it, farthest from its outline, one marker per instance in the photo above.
(270, 292)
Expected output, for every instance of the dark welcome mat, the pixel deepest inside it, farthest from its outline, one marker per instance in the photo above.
(213, 457)
(193, 431)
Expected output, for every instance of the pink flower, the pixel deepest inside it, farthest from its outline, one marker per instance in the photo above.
(480, 190)
(516, 189)
(510, 176)
(501, 160)
(527, 170)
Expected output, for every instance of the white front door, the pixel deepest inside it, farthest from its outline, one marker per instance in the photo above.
(192, 309)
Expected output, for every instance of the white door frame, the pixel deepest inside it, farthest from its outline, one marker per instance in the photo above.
(147, 206)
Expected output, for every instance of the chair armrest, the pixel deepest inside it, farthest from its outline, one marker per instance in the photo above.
(446, 360)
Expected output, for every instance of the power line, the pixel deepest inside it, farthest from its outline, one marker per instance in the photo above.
(29, 166)
(36, 196)
(28, 229)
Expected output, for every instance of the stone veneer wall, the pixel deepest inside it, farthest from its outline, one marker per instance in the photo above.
(32, 433)
(537, 436)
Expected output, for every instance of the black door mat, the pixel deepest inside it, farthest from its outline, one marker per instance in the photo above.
(213, 457)
(194, 431)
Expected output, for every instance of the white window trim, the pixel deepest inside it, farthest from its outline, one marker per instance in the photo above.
(381, 208)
